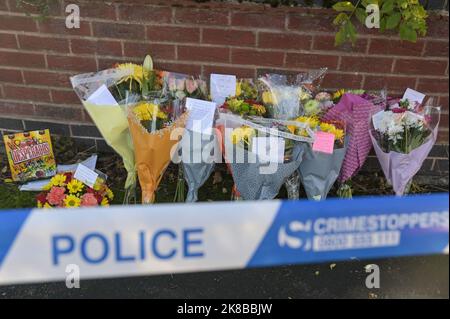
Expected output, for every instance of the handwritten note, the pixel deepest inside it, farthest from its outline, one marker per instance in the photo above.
(221, 87)
(376, 119)
(85, 175)
(269, 149)
(324, 142)
(414, 96)
(201, 115)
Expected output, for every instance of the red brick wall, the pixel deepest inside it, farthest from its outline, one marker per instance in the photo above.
(37, 57)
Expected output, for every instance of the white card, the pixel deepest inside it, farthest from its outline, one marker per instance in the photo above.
(221, 87)
(413, 96)
(102, 97)
(376, 119)
(85, 175)
(269, 149)
(201, 115)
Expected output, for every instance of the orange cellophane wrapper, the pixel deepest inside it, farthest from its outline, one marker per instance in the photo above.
(152, 153)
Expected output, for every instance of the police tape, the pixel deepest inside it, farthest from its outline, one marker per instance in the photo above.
(120, 241)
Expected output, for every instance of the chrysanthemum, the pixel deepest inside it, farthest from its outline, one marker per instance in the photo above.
(58, 180)
(133, 72)
(72, 201)
(75, 186)
(104, 202)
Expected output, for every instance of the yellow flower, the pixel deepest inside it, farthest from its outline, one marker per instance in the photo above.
(236, 135)
(39, 204)
(260, 109)
(338, 94)
(47, 205)
(145, 111)
(104, 202)
(339, 134)
(57, 180)
(109, 194)
(72, 201)
(267, 97)
(134, 72)
(238, 89)
(75, 186)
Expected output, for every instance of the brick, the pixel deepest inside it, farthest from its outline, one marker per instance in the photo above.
(190, 68)
(85, 130)
(436, 48)
(93, 9)
(173, 34)
(17, 23)
(103, 47)
(58, 112)
(204, 54)
(16, 108)
(26, 93)
(118, 31)
(106, 63)
(141, 13)
(239, 72)
(84, 143)
(443, 137)
(441, 151)
(264, 19)
(71, 63)
(308, 61)
(339, 81)
(392, 83)
(420, 67)
(271, 40)
(201, 16)
(11, 76)
(43, 43)
(433, 85)
(366, 64)
(58, 26)
(157, 51)
(55, 128)
(254, 57)
(64, 97)
(229, 37)
(443, 102)
(47, 78)
(22, 60)
(8, 41)
(54, 7)
(437, 26)
(308, 22)
(395, 47)
(102, 146)
(326, 43)
(11, 124)
(4, 6)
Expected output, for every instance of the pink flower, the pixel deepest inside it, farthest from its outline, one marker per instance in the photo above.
(89, 199)
(398, 110)
(56, 195)
(191, 86)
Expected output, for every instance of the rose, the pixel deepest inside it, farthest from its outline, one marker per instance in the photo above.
(89, 199)
(191, 86)
(180, 85)
(172, 84)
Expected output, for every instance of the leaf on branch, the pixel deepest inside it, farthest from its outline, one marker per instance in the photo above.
(340, 18)
(393, 20)
(407, 33)
(361, 15)
(345, 6)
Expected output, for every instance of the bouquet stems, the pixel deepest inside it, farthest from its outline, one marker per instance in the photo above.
(292, 185)
(180, 190)
(130, 196)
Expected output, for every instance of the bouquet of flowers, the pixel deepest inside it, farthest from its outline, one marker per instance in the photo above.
(152, 122)
(355, 111)
(107, 93)
(195, 173)
(318, 171)
(65, 191)
(260, 151)
(402, 140)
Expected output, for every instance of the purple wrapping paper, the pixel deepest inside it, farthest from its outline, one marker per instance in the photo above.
(399, 168)
(356, 112)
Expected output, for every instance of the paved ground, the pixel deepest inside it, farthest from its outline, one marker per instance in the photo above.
(412, 277)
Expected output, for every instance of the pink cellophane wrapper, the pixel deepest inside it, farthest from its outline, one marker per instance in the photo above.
(400, 168)
(356, 112)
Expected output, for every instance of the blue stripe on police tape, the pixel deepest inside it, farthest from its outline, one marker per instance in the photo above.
(372, 227)
(9, 227)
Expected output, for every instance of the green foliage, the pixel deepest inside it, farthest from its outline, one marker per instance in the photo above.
(408, 17)
(40, 7)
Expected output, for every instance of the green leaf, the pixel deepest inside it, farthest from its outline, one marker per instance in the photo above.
(388, 6)
(383, 24)
(361, 15)
(340, 18)
(365, 3)
(393, 20)
(345, 6)
(340, 37)
(351, 32)
(407, 33)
